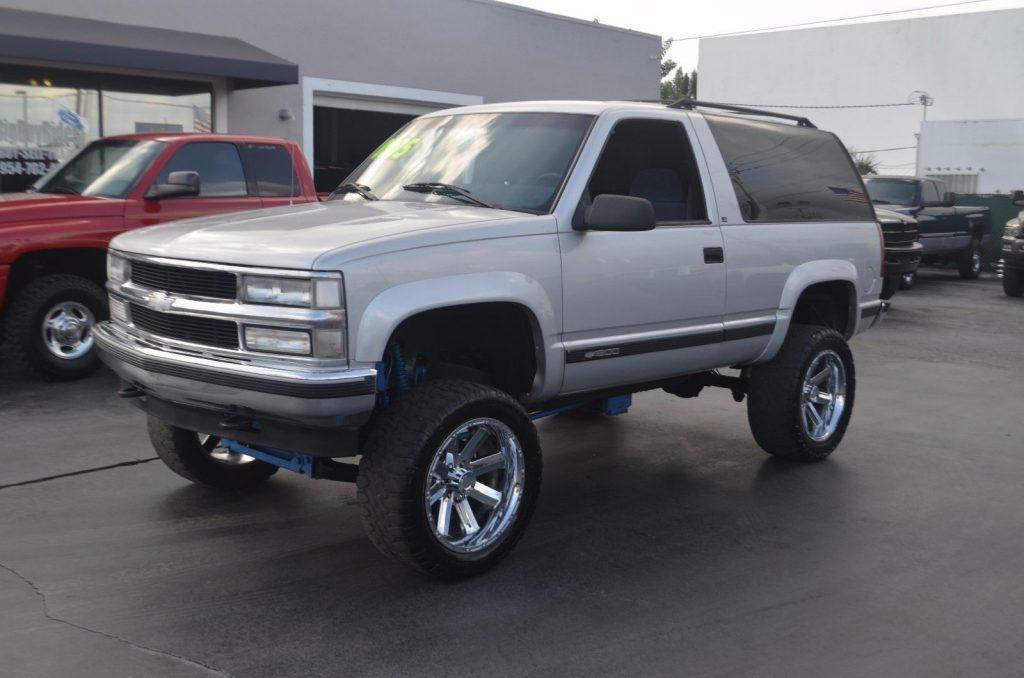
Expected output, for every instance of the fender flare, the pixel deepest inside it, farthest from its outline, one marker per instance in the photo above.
(802, 277)
(386, 312)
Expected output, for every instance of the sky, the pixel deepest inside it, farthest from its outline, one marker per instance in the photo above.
(686, 19)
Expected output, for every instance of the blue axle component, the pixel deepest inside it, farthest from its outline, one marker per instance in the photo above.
(611, 406)
(292, 461)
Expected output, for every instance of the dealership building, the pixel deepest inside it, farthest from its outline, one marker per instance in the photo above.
(867, 82)
(337, 76)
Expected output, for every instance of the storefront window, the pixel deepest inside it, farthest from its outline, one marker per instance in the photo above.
(128, 113)
(41, 126)
(46, 119)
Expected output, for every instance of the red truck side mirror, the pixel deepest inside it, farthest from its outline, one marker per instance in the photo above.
(179, 185)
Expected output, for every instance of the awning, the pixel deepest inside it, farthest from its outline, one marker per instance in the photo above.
(36, 36)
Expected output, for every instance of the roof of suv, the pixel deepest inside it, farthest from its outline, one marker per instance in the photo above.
(586, 107)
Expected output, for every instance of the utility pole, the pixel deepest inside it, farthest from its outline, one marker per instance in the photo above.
(926, 100)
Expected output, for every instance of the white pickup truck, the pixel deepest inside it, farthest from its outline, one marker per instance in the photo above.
(486, 266)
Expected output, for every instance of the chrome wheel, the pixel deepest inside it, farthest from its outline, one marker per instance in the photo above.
(67, 330)
(474, 486)
(211, 445)
(976, 261)
(823, 396)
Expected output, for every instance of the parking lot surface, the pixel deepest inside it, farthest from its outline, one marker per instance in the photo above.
(665, 542)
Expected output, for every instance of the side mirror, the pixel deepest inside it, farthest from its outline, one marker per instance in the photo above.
(179, 185)
(1018, 198)
(948, 199)
(619, 213)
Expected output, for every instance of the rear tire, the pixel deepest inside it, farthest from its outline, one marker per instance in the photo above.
(49, 326)
(420, 468)
(1013, 282)
(185, 453)
(968, 262)
(783, 391)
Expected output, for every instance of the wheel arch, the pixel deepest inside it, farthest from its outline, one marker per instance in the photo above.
(389, 311)
(87, 262)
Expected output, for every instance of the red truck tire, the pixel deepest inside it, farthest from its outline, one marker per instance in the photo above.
(49, 326)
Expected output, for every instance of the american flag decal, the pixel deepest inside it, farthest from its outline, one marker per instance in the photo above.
(849, 194)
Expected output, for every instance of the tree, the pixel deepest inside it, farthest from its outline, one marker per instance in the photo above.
(678, 84)
(866, 163)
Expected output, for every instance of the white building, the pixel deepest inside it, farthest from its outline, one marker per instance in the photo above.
(974, 156)
(971, 65)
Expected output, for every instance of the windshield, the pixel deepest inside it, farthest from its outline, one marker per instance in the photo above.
(106, 168)
(514, 161)
(892, 191)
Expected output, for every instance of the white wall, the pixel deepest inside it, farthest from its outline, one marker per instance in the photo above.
(991, 149)
(972, 64)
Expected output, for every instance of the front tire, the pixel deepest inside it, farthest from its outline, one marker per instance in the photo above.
(1013, 282)
(449, 478)
(199, 458)
(49, 326)
(800, 402)
(968, 262)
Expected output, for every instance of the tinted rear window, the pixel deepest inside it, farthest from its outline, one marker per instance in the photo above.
(270, 166)
(789, 173)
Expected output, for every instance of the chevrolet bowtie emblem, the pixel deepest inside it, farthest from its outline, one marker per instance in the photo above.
(161, 301)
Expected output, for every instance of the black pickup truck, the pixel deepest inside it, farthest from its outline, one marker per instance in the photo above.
(903, 250)
(1013, 251)
(949, 232)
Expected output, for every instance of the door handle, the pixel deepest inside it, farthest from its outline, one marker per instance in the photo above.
(714, 255)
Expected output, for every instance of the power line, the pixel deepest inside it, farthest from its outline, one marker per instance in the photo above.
(828, 21)
(883, 150)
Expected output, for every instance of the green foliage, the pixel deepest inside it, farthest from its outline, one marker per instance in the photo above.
(866, 163)
(675, 83)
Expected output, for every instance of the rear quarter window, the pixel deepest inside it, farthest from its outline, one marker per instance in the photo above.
(789, 173)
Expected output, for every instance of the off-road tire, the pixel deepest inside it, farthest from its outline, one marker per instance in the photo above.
(773, 404)
(394, 464)
(1013, 282)
(24, 317)
(181, 452)
(965, 262)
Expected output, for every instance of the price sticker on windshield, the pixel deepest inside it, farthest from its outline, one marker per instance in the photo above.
(395, 148)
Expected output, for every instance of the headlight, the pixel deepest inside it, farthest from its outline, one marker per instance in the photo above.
(280, 291)
(319, 293)
(273, 340)
(1013, 228)
(118, 268)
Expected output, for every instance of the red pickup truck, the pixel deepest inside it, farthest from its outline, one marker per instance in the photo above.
(53, 240)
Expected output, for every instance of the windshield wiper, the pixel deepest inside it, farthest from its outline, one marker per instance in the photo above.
(879, 201)
(450, 190)
(361, 190)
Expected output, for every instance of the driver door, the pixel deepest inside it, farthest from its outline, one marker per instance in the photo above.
(222, 186)
(644, 305)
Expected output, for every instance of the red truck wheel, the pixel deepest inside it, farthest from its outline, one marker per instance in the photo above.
(49, 325)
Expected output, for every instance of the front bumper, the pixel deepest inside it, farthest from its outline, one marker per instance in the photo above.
(904, 259)
(300, 410)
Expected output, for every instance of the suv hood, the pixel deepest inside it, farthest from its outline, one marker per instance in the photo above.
(22, 207)
(296, 236)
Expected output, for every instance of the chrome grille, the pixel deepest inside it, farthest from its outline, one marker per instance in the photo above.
(193, 329)
(896, 234)
(181, 280)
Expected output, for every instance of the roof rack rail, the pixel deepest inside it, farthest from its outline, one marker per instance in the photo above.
(690, 104)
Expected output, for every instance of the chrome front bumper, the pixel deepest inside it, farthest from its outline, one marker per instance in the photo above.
(262, 393)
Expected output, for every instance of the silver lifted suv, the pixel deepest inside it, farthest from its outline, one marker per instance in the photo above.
(487, 266)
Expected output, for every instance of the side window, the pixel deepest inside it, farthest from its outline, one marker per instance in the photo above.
(651, 159)
(784, 172)
(218, 164)
(272, 171)
(938, 190)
